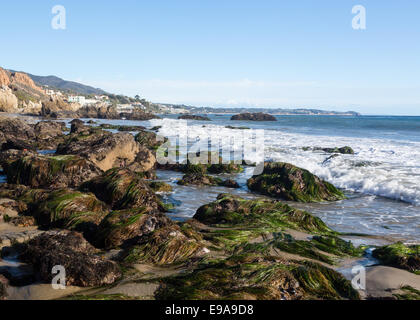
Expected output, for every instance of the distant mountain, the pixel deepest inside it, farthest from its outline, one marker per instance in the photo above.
(273, 111)
(64, 85)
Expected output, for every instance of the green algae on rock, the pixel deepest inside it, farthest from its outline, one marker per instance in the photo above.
(167, 245)
(400, 256)
(199, 179)
(125, 227)
(69, 209)
(160, 186)
(288, 182)
(261, 213)
(123, 189)
(38, 171)
(251, 276)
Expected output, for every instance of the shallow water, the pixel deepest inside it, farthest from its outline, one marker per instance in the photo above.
(382, 180)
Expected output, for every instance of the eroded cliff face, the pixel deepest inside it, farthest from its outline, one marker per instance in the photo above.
(4, 78)
(8, 101)
(19, 93)
(22, 79)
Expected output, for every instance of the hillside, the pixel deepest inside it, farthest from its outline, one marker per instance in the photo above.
(64, 85)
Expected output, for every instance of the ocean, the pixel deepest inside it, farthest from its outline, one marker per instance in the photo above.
(381, 180)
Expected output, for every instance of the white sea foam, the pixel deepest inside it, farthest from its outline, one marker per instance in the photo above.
(381, 167)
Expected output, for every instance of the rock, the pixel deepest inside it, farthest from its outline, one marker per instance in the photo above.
(149, 140)
(167, 245)
(3, 281)
(8, 101)
(123, 189)
(79, 127)
(214, 164)
(342, 150)
(138, 115)
(11, 155)
(254, 117)
(84, 268)
(22, 79)
(194, 117)
(288, 182)
(17, 133)
(51, 172)
(69, 209)
(125, 227)
(10, 209)
(229, 183)
(257, 277)
(122, 128)
(49, 134)
(199, 179)
(160, 186)
(400, 256)
(53, 107)
(107, 150)
(13, 238)
(268, 214)
(23, 221)
(4, 78)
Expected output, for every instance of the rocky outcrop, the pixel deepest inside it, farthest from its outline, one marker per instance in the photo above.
(400, 256)
(49, 134)
(167, 245)
(122, 127)
(126, 227)
(4, 78)
(160, 186)
(199, 179)
(10, 209)
(288, 182)
(52, 172)
(83, 266)
(8, 101)
(268, 214)
(150, 140)
(69, 209)
(254, 117)
(3, 287)
(210, 164)
(229, 183)
(193, 117)
(123, 189)
(107, 150)
(256, 266)
(138, 115)
(22, 79)
(17, 133)
(342, 150)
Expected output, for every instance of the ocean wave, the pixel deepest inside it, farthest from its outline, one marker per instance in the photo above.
(380, 167)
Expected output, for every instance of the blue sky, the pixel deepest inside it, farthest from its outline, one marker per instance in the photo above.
(226, 53)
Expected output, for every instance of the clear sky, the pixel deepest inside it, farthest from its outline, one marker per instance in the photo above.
(267, 53)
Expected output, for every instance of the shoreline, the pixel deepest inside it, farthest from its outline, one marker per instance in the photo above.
(130, 287)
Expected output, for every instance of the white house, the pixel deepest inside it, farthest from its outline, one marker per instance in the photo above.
(78, 99)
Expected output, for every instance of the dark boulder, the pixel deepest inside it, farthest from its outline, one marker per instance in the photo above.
(123, 189)
(126, 227)
(49, 134)
(254, 117)
(167, 245)
(400, 255)
(193, 117)
(83, 266)
(199, 179)
(288, 182)
(69, 209)
(51, 172)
